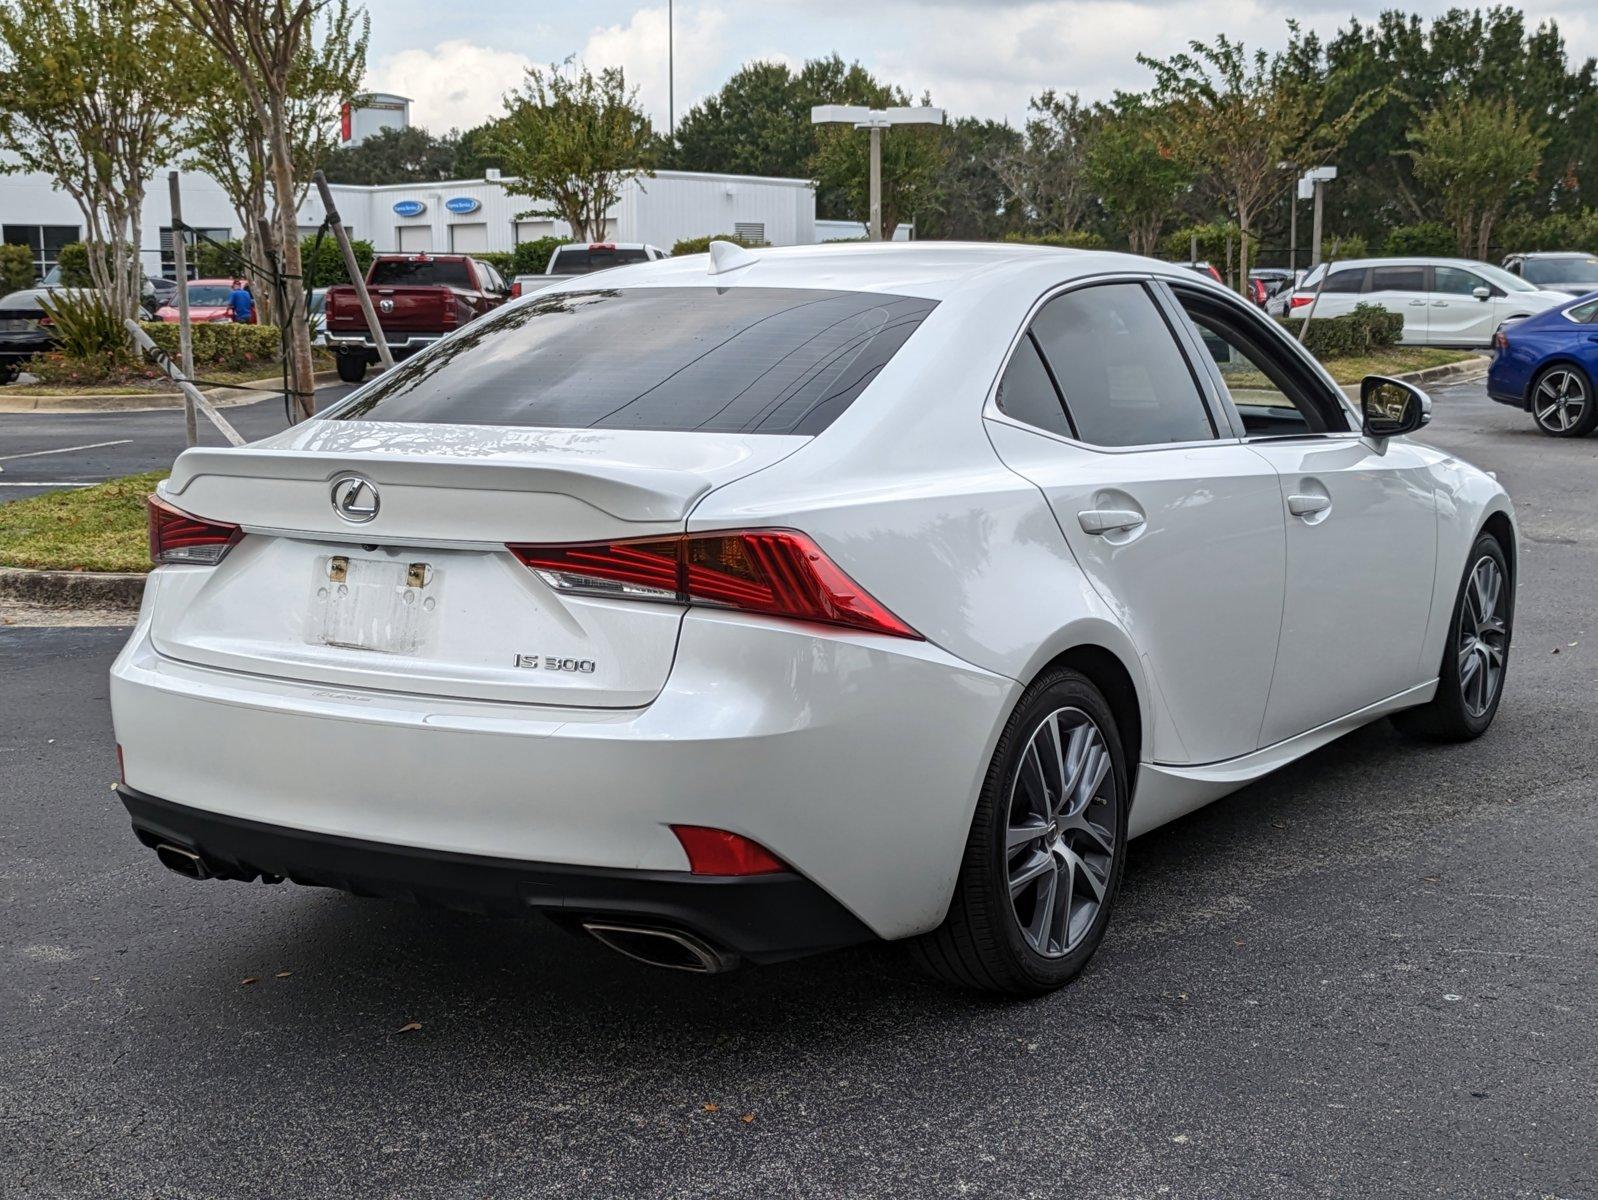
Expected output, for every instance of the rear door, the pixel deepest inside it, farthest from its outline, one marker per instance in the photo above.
(1404, 290)
(1177, 525)
(1361, 528)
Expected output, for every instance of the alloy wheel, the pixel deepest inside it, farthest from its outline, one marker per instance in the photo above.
(1060, 836)
(1483, 636)
(1560, 400)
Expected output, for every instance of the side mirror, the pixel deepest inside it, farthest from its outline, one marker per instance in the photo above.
(1482, 293)
(1391, 408)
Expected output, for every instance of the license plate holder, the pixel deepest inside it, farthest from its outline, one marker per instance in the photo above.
(389, 606)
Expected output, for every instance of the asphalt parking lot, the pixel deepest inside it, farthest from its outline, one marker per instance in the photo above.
(1372, 974)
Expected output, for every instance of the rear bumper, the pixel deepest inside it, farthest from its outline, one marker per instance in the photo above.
(763, 918)
(854, 758)
(396, 341)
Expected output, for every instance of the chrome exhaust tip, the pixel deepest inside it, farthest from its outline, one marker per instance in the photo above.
(674, 949)
(184, 862)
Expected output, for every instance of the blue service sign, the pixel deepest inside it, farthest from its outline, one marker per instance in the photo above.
(410, 208)
(463, 204)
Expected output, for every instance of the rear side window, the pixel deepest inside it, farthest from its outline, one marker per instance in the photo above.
(1351, 280)
(425, 272)
(744, 360)
(1398, 279)
(1584, 314)
(582, 261)
(1125, 381)
(1027, 393)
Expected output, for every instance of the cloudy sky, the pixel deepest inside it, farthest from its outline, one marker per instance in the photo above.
(456, 60)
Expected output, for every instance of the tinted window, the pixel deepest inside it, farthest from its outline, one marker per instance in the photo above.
(421, 272)
(1125, 381)
(1586, 314)
(1398, 279)
(1027, 394)
(747, 360)
(1562, 270)
(581, 261)
(1454, 282)
(1350, 280)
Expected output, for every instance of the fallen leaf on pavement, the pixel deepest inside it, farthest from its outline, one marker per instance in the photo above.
(249, 979)
(747, 1118)
(712, 1108)
(282, 974)
(409, 1027)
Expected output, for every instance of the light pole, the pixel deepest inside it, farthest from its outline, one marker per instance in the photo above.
(876, 120)
(1316, 179)
(671, 71)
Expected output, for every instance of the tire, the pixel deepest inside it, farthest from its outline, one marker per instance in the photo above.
(1457, 712)
(982, 943)
(1562, 401)
(351, 367)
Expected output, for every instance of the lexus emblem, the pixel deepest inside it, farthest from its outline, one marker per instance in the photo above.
(385, 305)
(355, 498)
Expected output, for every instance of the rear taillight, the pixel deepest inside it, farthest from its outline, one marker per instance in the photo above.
(178, 537)
(450, 318)
(774, 572)
(515, 290)
(717, 852)
(1500, 340)
(1301, 301)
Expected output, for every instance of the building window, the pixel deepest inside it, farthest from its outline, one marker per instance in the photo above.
(168, 265)
(751, 231)
(44, 240)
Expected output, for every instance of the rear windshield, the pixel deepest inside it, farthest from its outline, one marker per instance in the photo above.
(583, 260)
(426, 272)
(743, 360)
(1562, 270)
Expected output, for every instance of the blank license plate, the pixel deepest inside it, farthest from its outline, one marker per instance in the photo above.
(387, 605)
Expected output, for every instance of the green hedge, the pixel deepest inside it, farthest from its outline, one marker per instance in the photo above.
(1077, 239)
(324, 266)
(531, 258)
(222, 345)
(16, 268)
(1356, 333)
(502, 261)
(701, 245)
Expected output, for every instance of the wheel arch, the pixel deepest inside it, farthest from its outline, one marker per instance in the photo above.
(1111, 675)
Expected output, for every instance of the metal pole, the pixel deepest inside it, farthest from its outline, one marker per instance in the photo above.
(191, 394)
(180, 268)
(1292, 230)
(671, 71)
(354, 270)
(875, 230)
(1315, 248)
(1192, 247)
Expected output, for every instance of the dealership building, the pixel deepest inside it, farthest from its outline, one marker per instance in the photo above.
(453, 216)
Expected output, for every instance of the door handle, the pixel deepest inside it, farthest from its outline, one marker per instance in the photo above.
(1439, 304)
(1417, 304)
(1109, 520)
(1307, 504)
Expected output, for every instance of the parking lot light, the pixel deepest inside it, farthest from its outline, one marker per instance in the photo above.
(876, 120)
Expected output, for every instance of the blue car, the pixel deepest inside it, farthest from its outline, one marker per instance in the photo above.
(1547, 366)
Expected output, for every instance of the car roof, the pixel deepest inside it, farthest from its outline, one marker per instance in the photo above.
(1413, 260)
(1553, 254)
(927, 269)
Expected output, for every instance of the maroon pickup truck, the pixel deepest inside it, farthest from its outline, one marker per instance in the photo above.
(418, 297)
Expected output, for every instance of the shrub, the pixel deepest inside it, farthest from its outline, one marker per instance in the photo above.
(1561, 231)
(701, 245)
(74, 263)
(16, 268)
(1429, 237)
(86, 328)
(1077, 239)
(222, 345)
(530, 258)
(1355, 333)
(500, 260)
(209, 261)
(1212, 241)
(1350, 246)
(323, 266)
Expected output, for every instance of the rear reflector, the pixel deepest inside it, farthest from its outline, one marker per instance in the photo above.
(774, 572)
(717, 852)
(516, 290)
(178, 537)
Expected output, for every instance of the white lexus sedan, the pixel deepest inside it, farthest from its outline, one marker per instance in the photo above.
(744, 605)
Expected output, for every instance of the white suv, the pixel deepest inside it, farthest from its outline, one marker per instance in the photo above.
(1444, 301)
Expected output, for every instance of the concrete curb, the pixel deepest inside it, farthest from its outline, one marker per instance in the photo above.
(222, 397)
(72, 589)
(1464, 369)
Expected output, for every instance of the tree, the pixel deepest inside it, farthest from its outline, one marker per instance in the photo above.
(228, 142)
(410, 155)
(1046, 175)
(1138, 176)
(88, 97)
(1240, 118)
(573, 139)
(1473, 157)
(264, 43)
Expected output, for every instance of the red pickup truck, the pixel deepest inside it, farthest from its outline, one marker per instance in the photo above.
(418, 297)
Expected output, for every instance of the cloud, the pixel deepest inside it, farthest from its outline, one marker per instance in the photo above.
(455, 86)
(639, 49)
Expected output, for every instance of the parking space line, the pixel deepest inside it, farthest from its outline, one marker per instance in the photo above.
(66, 449)
(62, 483)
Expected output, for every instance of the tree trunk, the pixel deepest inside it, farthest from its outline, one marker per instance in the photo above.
(302, 373)
(1242, 246)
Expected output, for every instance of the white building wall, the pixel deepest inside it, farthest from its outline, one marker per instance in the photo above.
(660, 210)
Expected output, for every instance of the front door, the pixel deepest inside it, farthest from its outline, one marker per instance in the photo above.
(1177, 526)
(1460, 317)
(1361, 528)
